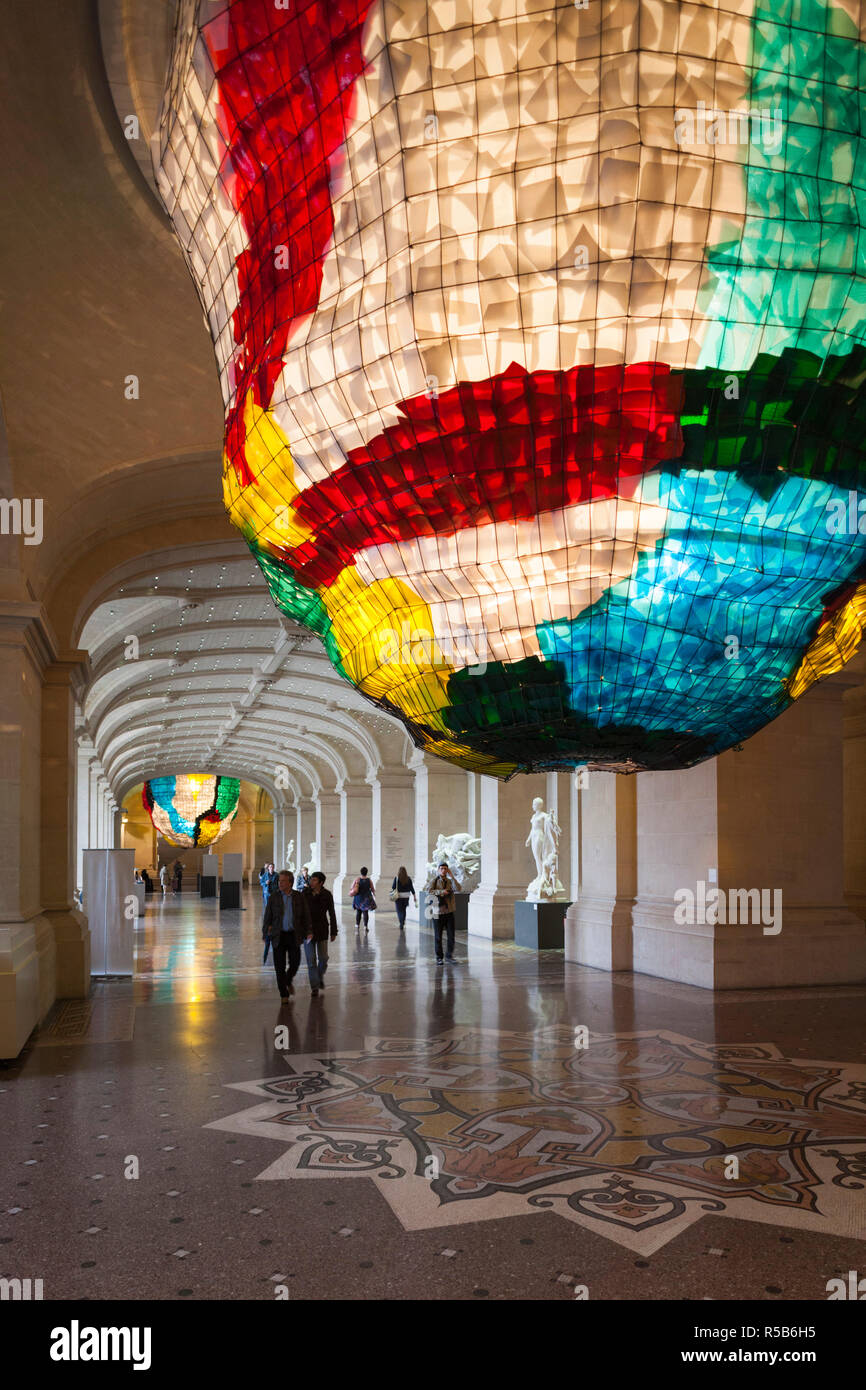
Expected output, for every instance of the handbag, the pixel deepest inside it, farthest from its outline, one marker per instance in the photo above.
(393, 895)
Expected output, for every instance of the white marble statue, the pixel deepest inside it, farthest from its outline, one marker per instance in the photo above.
(462, 854)
(313, 862)
(543, 840)
(290, 856)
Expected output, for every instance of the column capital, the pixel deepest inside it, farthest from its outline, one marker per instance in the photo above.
(70, 670)
(353, 789)
(397, 777)
(25, 624)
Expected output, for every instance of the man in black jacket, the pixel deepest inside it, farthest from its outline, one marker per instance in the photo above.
(323, 923)
(287, 923)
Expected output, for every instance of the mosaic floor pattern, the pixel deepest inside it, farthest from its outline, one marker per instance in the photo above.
(632, 1136)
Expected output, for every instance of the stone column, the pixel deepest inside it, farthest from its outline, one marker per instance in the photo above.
(473, 810)
(577, 783)
(765, 819)
(277, 816)
(441, 808)
(288, 830)
(393, 828)
(107, 816)
(598, 925)
(85, 759)
(328, 815)
(93, 825)
(250, 850)
(507, 866)
(58, 833)
(854, 797)
(98, 809)
(356, 834)
(27, 949)
(558, 799)
(305, 821)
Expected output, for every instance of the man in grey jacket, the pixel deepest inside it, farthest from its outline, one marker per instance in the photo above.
(287, 923)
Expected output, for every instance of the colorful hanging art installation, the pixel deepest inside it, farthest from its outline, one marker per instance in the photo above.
(541, 333)
(192, 809)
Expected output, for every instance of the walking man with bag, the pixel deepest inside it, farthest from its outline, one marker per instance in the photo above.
(287, 923)
(442, 888)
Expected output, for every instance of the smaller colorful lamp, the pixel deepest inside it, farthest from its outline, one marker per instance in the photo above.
(193, 809)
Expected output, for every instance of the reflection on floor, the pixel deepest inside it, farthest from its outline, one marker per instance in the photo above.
(473, 1106)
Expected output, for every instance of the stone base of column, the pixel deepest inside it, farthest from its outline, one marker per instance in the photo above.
(491, 912)
(46, 951)
(856, 903)
(598, 932)
(72, 943)
(27, 981)
(816, 946)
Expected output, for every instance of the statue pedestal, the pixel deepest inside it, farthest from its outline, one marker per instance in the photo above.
(230, 894)
(540, 925)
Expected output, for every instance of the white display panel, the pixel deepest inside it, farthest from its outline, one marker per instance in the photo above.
(109, 891)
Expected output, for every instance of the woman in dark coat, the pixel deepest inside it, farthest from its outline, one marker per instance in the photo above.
(401, 889)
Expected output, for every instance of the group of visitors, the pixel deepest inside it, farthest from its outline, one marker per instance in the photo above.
(175, 876)
(299, 912)
(294, 917)
(268, 879)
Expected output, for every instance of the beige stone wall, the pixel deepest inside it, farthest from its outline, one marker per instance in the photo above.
(138, 835)
(854, 796)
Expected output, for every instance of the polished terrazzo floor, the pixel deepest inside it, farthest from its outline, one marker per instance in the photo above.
(510, 1127)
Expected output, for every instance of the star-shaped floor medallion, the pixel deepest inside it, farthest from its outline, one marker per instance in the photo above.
(634, 1136)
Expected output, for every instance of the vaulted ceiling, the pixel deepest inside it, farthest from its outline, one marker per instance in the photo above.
(136, 541)
(193, 670)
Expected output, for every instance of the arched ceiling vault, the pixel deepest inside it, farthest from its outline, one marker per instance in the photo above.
(193, 669)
